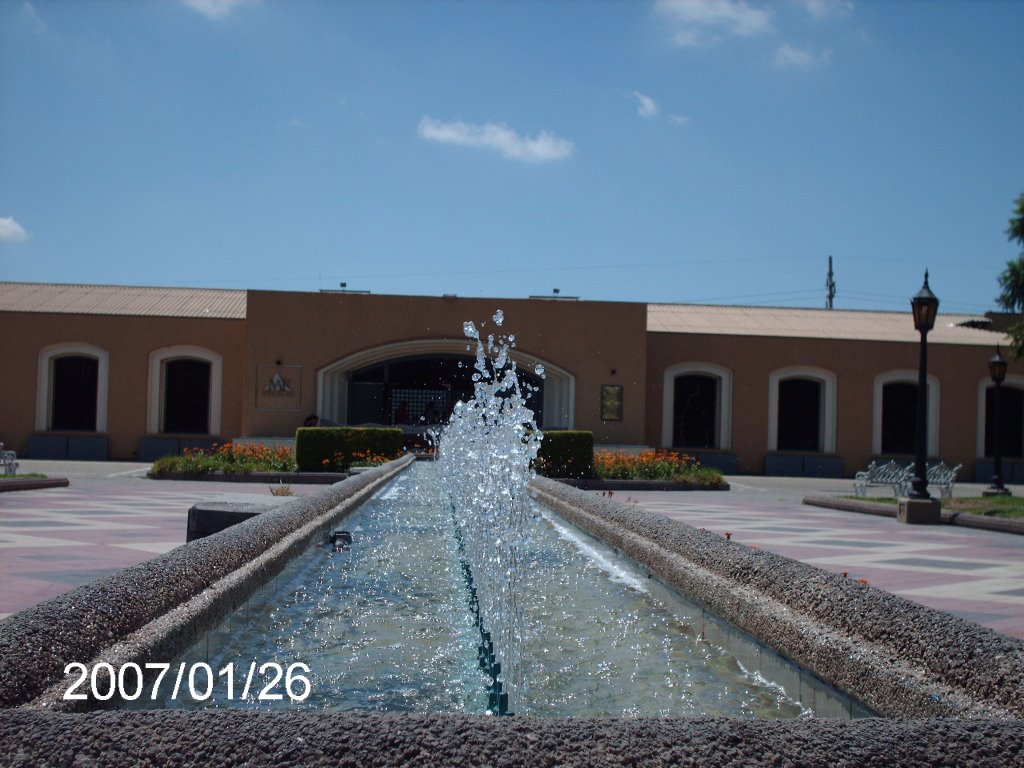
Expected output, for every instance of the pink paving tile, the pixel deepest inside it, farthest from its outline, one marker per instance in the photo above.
(20, 592)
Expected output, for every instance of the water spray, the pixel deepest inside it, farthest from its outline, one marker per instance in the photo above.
(486, 453)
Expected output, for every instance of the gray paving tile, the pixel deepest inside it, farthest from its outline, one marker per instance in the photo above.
(847, 543)
(979, 618)
(75, 578)
(925, 562)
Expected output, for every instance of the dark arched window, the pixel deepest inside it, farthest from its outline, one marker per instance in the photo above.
(186, 397)
(74, 385)
(800, 413)
(695, 411)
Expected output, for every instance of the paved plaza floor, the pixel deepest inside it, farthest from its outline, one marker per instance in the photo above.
(111, 516)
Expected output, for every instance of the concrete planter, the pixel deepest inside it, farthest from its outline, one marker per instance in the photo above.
(288, 478)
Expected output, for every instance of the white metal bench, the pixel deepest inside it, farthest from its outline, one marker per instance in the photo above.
(900, 477)
(10, 461)
(939, 475)
(890, 473)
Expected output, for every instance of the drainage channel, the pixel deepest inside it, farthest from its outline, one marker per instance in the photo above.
(383, 625)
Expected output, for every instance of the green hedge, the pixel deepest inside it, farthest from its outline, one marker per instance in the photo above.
(566, 453)
(335, 445)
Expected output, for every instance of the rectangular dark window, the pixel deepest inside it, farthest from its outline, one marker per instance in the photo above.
(187, 397)
(1011, 417)
(899, 417)
(799, 415)
(74, 387)
(696, 412)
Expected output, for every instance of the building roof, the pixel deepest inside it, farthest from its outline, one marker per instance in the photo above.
(122, 300)
(858, 325)
(791, 323)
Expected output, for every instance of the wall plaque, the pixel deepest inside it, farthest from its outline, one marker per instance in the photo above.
(278, 387)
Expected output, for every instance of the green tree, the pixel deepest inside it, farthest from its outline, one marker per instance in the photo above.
(1011, 281)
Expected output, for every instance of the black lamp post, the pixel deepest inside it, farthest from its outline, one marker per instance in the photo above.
(925, 306)
(997, 370)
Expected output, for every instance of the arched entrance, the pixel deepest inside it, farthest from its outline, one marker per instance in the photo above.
(802, 410)
(697, 407)
(71, 388)
(401, 383)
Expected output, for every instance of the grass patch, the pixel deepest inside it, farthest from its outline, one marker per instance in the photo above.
(873, 499)
(29, 476)
(995, 506)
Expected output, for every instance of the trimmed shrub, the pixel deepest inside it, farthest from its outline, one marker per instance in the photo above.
(566, 453)
(319, 449)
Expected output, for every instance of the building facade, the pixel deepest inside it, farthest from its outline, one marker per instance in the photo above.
(135, 373)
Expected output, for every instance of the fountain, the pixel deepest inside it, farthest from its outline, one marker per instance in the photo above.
(486, 454)
(903, 660)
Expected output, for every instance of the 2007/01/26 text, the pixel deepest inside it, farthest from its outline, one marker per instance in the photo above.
(129, 680)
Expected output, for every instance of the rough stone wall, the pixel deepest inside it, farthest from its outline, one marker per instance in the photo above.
(368, 740)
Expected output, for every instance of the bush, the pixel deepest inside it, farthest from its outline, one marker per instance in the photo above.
(320, 449)
(566, 453)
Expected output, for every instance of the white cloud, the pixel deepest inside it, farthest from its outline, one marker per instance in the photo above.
(678, 119)
(31, 16)
(646, 107)
(11, 231)
(798, 58)
(826, 9)
(216, 9)
(697, 22)
(541, 148)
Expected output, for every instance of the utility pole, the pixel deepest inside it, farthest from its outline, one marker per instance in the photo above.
(830, 284)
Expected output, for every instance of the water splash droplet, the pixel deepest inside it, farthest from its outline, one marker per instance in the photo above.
(499, 318)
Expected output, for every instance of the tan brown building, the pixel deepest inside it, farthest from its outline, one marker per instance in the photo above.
(128, 372)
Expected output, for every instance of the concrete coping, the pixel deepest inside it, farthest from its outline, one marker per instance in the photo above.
(32, 483)
(964, 519)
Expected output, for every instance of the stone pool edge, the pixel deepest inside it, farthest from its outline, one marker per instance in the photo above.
(899, 658)
(372, 740)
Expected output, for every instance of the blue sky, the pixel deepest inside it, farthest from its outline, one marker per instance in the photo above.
(673, 151)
